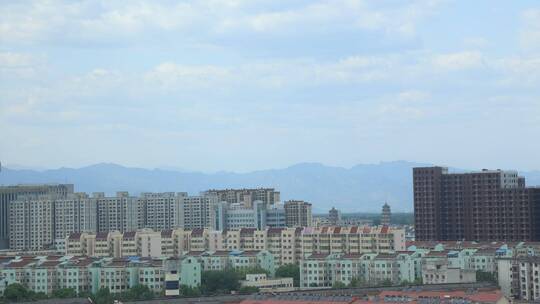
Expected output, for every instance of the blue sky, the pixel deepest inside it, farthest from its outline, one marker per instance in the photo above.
(244, 85)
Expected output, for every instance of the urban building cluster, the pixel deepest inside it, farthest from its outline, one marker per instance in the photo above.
(38, 217)
(89, 274)
(513, 265)
(287, 245)
(489, 205)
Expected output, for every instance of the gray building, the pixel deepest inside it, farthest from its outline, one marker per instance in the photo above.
(259, 216)
(268, 196)
(11, 193)
(119, 212)
(386, 215)
(298, 214)
(334, 217)
(161, 211)
(199, 211)
(37, 221)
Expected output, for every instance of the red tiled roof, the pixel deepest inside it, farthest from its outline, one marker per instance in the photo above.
(128, 235)
(102, 235)
(384, 229)
(337, 230)
(166, 233)
(366, 229)
(74, 236)
(50, 264)
(19, 264)
(247, 231)
(294, 301)
(318, 256)
(197, 232)
(354, 230)
(275, 230)
(481, 296)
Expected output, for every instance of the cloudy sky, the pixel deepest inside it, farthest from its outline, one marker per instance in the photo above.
(244, 85)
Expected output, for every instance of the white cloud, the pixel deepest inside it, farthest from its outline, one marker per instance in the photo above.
(99, 21)
(17, 65)
(459, 60)
(530, 33)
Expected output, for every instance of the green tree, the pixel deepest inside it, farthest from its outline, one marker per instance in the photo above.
(16, 292)
(357, 282)
(103, 296)
(64, 293)
(187, 291)
(219, 281)
(141, 292)
(386, 283)
(251, 270)
(248, 290)
(483, 276)
(339, 285)
(289, 271)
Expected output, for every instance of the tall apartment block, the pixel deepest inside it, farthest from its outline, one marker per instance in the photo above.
(199, 211)
(161, 211)
(298, 214)
(11, 193)
(36, 222)
(116, 213)
(268, 196)
(489, 205)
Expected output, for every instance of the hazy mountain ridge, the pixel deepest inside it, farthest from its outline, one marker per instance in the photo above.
(361, 188)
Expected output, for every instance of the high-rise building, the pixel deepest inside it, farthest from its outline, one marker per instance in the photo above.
(298, 214)
(334, 217)
(161, 211)
(119, 212)
(36, 222)
(489, 205)
(268, 196)
(199, 211)
(386, 215)
(11, 193)
(76, 213)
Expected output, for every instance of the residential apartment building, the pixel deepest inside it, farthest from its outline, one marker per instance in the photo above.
(287, 245)
(246, 197)
(490, 205)
(12, 193)
(83, 274)
(161, 211)
(298, 214)
(37, 221)
(519, 277)
(199, 211)
(119, 212)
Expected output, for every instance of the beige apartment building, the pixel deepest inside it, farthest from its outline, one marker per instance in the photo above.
(287, 245)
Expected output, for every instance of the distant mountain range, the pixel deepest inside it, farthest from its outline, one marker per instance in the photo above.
(362, 188)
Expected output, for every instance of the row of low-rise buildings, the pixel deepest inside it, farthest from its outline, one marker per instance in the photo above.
(38, 219)
(514, 266)
(287, 245)
(90, 274)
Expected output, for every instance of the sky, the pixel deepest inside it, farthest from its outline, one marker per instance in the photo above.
(245, 85)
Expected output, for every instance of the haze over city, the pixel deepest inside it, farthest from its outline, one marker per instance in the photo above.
(244, 85)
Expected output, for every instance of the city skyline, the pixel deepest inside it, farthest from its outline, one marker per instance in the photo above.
(242, 86)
